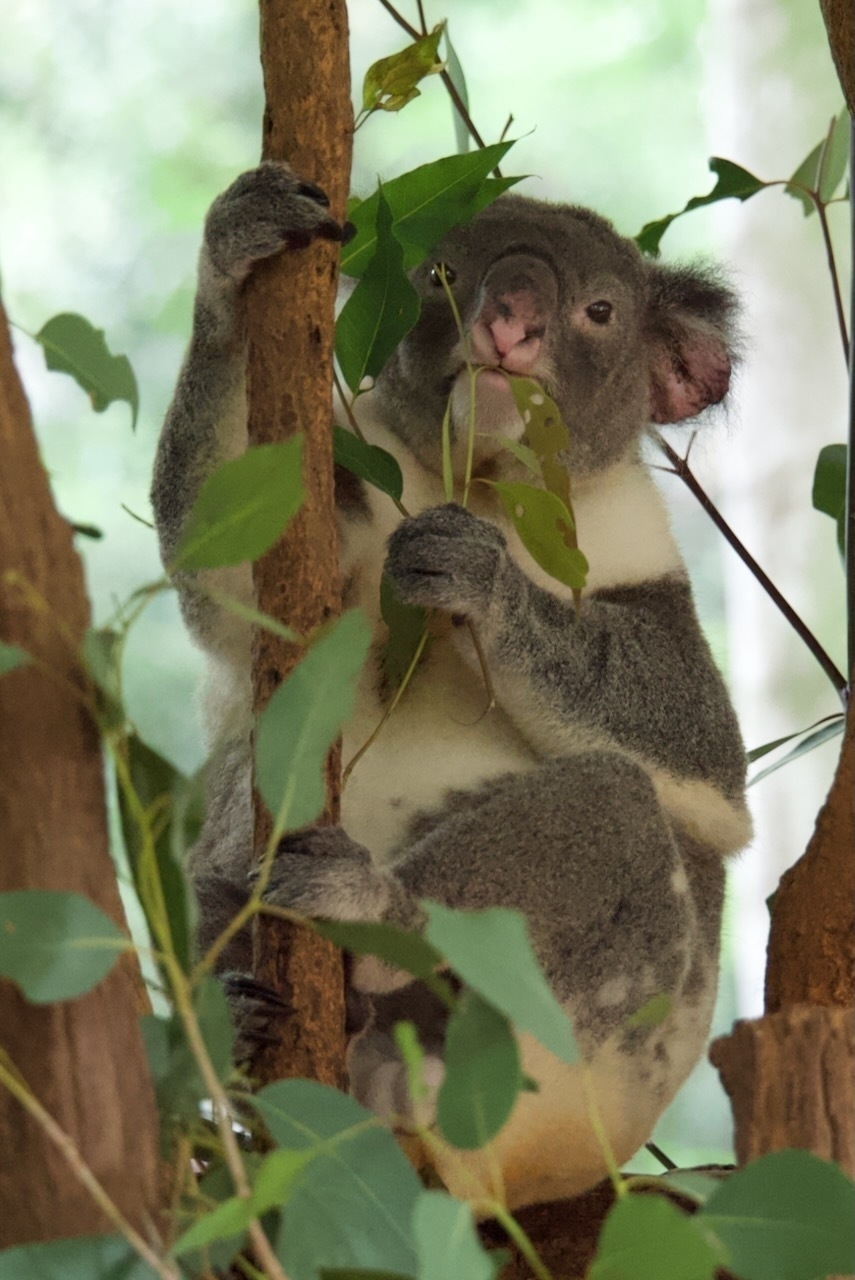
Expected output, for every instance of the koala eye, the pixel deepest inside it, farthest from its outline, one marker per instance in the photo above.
(600, 312)
(436, 273)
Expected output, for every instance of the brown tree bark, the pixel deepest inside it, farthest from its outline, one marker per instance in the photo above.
(83, 1059)
(839, 18)
(290, 306)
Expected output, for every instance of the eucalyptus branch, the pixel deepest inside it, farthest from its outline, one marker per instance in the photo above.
(684, 471)
(835, 279)
(12, 1079)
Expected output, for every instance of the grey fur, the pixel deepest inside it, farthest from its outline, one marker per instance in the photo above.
(601, 793)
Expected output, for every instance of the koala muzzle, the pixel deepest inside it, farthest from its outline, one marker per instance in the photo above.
(519, 295)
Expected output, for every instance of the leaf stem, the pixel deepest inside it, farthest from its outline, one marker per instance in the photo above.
(358, 432)
(399, 693)
(835, 279)
(515, 1232)
(12, 1079)
(684, 471)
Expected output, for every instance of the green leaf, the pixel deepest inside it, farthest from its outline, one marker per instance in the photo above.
(157, 784)
(276, 1178)
(12, 656)
(491, 952)
(406, 624)
(835, 726)
(178, 1083)
(732, 183)
(353, 1204)
(646, 1238)
(521, 452)
(390, 83)
(301, 721)
(829, 487)
(273, 1183)
(72, 345)
(369, 462)
(81, 1258)
(759, 752)
(413, 1055)
(546, 529)
(227, 1222)
(483, 1074)
(255, 617)
(458, 79)
(447, 1242)
(425, 204)
(786, 1216)
(382, 309)
(544, 429)
(243, 507)
(87, 530)
(653, 1012)
(823, 167)
(102, 653)
(54, 945)
(697, 1186)
(396, 946)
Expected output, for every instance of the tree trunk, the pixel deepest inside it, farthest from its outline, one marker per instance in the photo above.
(83, 1059)
(839, 18)
(290, 307)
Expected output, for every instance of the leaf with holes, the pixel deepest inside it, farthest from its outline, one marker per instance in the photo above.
(390, 83)
(72, 345)
(546, 529)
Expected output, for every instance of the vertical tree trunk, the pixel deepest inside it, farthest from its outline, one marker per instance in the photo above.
(83, 1059)
(290, 307)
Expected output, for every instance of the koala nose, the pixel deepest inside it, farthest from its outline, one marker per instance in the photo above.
(519, 296)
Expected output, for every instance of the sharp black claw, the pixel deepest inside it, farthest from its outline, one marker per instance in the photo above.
(240, 984)
(314, 193)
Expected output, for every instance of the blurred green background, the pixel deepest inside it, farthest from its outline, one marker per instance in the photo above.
(119, 123)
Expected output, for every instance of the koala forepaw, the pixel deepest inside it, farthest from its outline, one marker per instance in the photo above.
(263, 212)
(321, 872)
(256, 1010)
(446, 558)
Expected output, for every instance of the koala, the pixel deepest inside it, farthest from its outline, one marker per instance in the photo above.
(602, 793)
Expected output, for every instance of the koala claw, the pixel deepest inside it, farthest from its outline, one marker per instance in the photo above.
(446, 558)
(255, 1011)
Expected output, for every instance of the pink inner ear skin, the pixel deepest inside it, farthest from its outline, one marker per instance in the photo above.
(685, 381)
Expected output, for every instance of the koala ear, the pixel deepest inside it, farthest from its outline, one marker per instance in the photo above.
(691, 331)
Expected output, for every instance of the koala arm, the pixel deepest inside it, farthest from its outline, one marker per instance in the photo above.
(632, 668)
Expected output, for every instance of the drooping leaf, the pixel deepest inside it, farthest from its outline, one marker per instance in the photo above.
(834, 726)
(829, 487)
(55, 945)
(546, 529)
(368, 461)
(426, 203)
(255, 617)
(406, 624)
(72, 345)
(396, 946)
(732, 183)
(243, 507)
(12, 656)
(491, 952)
(390, 83)
(458, 79)
(301, 720)
(483, 1074)
(157, 784)
(81, 1258)
(102, 651)
(382, 309)
(647, 1238)
(352, 1206)
(447, 1242)
(785, 1216)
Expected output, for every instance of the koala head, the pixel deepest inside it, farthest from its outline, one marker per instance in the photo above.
(553, 292)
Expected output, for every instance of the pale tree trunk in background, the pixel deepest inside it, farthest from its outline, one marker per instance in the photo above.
(771, 90)
(83, 1059)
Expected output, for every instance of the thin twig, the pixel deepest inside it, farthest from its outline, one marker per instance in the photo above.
(684, 471)
(849, 543)
(68, 1149)
(835, 280)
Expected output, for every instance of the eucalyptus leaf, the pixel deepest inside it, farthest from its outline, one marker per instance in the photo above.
(178, 1083)
(425, 204)
(652, 1013)
(390, 83)
(72, 345)
(458, 79)
(382, 309)
(835, 156)
(646, 1238)
(12, 656)
(785, 1216)
(56, 946)
(80, 1258)
(102, 652)
(757, 753)
(491, 952)
(831, 730)
(352, 1206)
(829, 487)
(395, 946)
(447, 1241)
(406, 625)
(483, 1075)
(546, 529)
(732, 183)
(228, 1221)
(243, 507)
(300, 722)
(369, 462)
